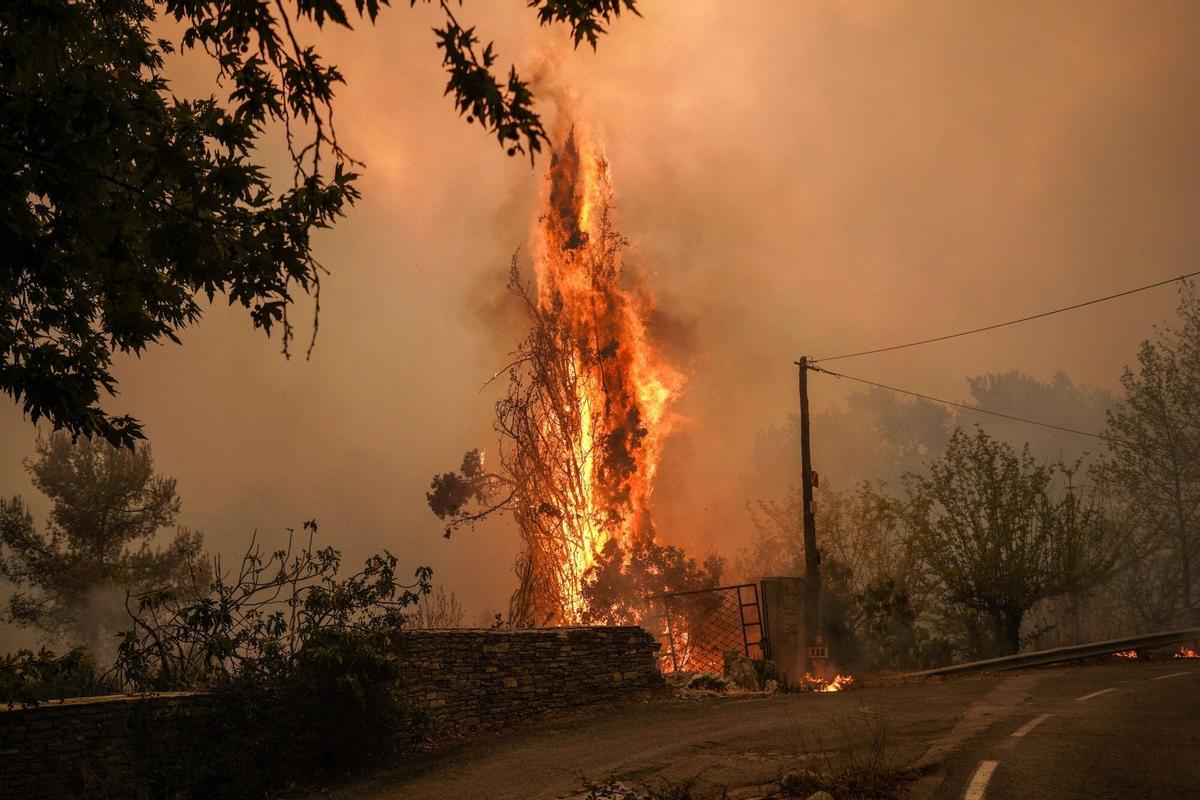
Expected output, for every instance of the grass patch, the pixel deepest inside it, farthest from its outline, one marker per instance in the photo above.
(851, 758)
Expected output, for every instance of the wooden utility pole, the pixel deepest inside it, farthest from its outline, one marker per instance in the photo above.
(812, 558)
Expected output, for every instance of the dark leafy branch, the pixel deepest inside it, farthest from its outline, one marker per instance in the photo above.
(255, 625)
(587, 18)
(124, 205)
(469, 495)
(503, 108)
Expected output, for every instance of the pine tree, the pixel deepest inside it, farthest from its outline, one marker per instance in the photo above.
(108, 505)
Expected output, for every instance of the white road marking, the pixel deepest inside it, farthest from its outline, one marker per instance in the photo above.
(1095, 694)
(1028, 726)
(979, 781)
(1172, 675)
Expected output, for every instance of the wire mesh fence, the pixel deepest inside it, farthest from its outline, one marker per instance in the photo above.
(698, 628)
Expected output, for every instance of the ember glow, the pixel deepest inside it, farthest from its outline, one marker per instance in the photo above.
(1186, 652)
(593, 410)
(839, 683)
(1126, 654)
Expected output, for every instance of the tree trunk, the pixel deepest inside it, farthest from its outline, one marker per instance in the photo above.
(1012, 629)
(1185, 560)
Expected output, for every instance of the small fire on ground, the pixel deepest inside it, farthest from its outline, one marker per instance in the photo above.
(1126, 654)
(811, 683)
(1186, 652)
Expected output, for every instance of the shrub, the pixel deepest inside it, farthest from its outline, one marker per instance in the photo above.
(298, 663)
(29, 678)
(334, 713)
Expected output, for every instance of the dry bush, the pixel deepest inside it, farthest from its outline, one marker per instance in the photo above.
(851, 757)
(437, 610)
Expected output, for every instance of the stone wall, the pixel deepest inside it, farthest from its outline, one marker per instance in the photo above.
(457, 683)
(94, 747)
(468, 681)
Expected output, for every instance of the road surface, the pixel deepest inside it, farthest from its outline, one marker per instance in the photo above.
(1127, 730)
(1091, 733)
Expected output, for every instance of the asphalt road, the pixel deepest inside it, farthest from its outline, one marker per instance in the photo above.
(1125, 731)
(1128, 730)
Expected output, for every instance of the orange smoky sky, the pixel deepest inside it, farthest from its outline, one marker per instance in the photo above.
(806, 178)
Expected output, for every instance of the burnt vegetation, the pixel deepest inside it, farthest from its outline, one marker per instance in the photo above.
(580, 425)
(538, 420)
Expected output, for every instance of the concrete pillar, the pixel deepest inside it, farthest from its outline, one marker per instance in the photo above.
(783, 604)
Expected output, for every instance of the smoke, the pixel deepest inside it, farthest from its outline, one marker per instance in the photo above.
(794, 179)
(102, 620)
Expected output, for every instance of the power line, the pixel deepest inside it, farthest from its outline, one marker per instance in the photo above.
(1010, 322)
(976, 409)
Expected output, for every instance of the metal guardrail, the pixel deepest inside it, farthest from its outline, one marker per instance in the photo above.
(1073, 653)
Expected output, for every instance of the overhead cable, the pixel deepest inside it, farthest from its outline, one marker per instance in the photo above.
(1010, 322)
(964, 406)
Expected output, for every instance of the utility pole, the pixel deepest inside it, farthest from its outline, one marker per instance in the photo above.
(812, 558)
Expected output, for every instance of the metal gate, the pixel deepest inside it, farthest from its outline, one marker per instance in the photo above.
(698, 627)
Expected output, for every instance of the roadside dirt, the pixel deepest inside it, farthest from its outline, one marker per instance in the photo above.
(730, 746)
(719, 743)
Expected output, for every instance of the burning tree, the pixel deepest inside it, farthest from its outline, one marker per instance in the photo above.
(582, 424)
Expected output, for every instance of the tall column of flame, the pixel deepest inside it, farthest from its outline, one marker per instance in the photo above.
(622, 387)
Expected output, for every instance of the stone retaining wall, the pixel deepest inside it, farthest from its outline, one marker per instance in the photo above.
(467, 681)
(457, 682)
(93, 747)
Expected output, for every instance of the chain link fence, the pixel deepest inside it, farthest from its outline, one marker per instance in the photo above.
(698, 628)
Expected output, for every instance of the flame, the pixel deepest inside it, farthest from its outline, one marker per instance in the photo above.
(1126, 654)
(1186, 652)
(616, 410)
(814, 684)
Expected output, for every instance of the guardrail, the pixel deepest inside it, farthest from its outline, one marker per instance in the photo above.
(1073, 653)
